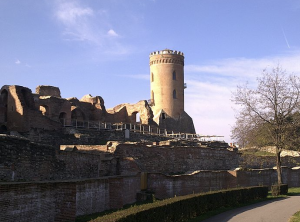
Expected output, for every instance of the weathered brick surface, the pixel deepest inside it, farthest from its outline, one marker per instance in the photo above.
(21, 160)
(165, 186)
(37, 202)
(61, 201)
(261, 162)
(92, 196)
(139, 157)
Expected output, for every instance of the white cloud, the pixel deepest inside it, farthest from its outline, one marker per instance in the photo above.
(208, 96)
(70, 12)
(17, 62)
(76, 20)
(112, 33)
(82, 23)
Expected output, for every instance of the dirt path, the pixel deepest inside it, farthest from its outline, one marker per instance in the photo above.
(279, 210)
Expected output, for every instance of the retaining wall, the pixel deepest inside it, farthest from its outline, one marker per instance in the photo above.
(63, 201)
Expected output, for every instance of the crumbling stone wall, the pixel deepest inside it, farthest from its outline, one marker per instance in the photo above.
(48, 91)
(138, 157)
(22, 160)
(261, 162)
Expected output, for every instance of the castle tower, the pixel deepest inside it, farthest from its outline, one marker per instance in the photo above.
(167, 82)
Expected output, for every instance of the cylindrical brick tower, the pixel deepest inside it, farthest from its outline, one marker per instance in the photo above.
(167, 82)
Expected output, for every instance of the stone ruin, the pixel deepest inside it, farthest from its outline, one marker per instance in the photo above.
(22, 110)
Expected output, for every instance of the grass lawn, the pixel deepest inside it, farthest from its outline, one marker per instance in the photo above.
(296, 216)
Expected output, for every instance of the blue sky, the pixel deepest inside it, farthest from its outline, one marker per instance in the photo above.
(102, 48)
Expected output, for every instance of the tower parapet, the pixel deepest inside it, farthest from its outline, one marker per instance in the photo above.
(166, 56)
(166, 51)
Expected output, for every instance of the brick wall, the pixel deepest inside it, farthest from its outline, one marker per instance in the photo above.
(22, 160)
(62, 201)
(37, 202)
(260, 162)
(173, 159)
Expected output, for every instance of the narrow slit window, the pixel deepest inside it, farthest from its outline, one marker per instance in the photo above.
(174, 75)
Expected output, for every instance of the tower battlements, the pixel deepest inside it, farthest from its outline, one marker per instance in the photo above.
(166, 56)
(166, 51)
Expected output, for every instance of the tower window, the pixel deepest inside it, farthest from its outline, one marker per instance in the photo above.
(152, 77)
(174, 94)
(174, 75)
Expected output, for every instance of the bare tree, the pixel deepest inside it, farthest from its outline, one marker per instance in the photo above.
(271, 105)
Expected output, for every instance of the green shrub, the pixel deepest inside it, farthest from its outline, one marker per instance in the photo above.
(185, 207)
(279, 189)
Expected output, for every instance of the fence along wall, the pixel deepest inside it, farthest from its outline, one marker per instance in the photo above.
(63, 201)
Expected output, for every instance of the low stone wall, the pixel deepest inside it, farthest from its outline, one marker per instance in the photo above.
(261, 162)
(38, 201)
(75, 136)
(272, 149)
(173, 159)
(63, 201)
(22, 160)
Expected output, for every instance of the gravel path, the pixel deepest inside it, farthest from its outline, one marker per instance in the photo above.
(278, 210)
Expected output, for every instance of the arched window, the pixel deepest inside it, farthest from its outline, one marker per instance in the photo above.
(152, 77)
(3, 105)
(174, 75)
(62, 118)
(174, 94)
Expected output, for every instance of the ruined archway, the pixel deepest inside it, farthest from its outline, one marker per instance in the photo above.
(3, 129)
(77, 117)
(135, 117)
(3, 105)
(26, 98)
(62, 118)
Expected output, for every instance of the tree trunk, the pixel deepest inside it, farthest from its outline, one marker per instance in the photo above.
(278, 164)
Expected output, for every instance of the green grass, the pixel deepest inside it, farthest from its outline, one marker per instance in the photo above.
(295, 217)
(256, 152)
(292, 192)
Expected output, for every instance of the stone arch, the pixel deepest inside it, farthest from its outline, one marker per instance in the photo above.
(26, 98)
(3, 105)
(62, 118)
(135, 117)
(77, 114)
(3, 129)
